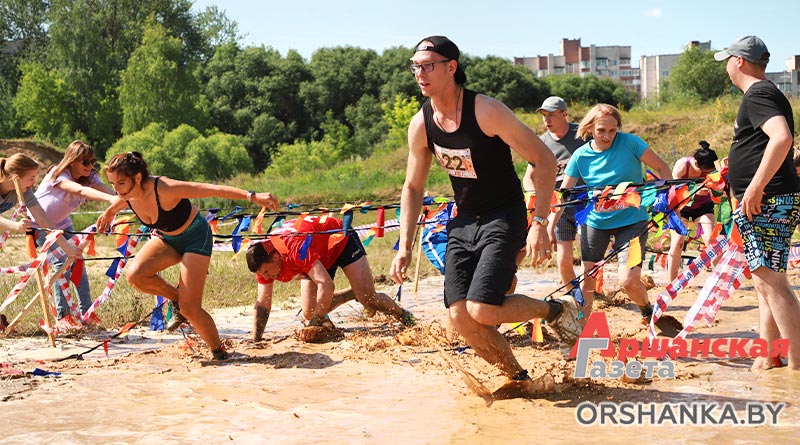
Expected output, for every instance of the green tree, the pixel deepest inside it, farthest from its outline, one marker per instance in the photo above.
(253, 92)
(42, 103)
(390, 71)
(217, 157)
(515, 86)
(339, 78)
(185, 154)
(591, 90)
(398, 117)
(696, 74)
(157, 87)
(369, 128)
(145, 142)
(90, 43)
(301, 156)
(216, 29)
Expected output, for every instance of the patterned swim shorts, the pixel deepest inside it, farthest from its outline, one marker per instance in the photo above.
(768, 236)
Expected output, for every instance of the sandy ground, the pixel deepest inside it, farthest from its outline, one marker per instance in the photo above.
(155, 387)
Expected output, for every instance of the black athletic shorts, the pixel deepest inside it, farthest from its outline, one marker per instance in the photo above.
(352, 252)
(481, 255)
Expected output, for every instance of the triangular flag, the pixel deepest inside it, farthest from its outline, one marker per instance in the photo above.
(379, 223)
(634, 253)
(31, 244)
(303, 254)
(370, 236)
(736, 236)
(536, 335)
(279, 245)
(91, 248)
(258, 224)
(77, 273)
(335, 239)
(157, 318)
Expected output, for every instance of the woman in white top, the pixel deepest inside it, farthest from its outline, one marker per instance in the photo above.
(66, 186)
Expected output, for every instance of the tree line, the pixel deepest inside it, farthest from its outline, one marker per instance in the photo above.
(178, 85)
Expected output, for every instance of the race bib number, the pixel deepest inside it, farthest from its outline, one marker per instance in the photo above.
(457, 161)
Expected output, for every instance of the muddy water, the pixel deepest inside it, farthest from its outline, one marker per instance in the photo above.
(152, 390)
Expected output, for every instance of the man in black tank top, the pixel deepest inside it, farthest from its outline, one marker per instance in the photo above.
(764, 180)
(470, 134)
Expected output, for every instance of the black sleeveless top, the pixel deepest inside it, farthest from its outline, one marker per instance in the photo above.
(168, 220)
(480, 167)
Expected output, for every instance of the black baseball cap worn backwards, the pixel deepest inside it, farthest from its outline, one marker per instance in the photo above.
(445, 47)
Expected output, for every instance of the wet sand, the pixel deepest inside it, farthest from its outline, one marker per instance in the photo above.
(163, 388)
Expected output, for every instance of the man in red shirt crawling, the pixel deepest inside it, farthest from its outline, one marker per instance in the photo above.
(289, 254)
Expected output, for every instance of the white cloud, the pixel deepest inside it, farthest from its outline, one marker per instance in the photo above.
(655, 12)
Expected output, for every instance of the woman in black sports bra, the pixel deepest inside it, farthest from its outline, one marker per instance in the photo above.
(181, 235)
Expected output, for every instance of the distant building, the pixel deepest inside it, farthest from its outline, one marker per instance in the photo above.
(788, 80)
(613, 62)
(654, 69)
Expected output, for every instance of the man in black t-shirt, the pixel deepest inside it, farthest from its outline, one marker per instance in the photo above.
(763, 178)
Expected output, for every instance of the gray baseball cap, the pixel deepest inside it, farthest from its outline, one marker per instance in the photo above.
(750, 48)
(553, 103)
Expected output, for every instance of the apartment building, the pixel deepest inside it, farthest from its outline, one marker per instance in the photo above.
(788, 80)
(653, 69)
(613, 62)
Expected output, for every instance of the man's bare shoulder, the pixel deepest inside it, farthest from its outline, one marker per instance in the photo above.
(492, 115)
(418, 121)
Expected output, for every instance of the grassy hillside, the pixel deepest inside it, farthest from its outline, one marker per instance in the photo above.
(671, 131)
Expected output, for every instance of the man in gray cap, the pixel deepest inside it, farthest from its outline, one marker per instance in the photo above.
(763, 178)
(561, 139)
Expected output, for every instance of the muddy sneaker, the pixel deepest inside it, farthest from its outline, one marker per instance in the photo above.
(408, 319)
(68, 323)
(320, 334)
(177, 318)
(524, 386)
(565, 323)
(369, 312)
(93, 321)
(3, 322)
(667, 325)
(221, 353)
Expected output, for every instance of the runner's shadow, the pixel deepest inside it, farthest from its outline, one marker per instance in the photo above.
(750, 307)
(283, 360)
(292, 359)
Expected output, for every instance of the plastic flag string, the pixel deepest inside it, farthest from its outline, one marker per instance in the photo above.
(105, 342)
(130, 246)
(32, 267)
(668, 295)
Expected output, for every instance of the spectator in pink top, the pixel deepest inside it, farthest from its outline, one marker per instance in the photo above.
(66, 186)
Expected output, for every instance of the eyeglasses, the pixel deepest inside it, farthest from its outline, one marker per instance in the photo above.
(88, 162)
(426, 67)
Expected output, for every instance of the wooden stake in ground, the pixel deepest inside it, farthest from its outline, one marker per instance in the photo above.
(421, 231)
(64, 267)
(48, 324)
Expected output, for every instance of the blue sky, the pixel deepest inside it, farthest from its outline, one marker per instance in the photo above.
(509, 28)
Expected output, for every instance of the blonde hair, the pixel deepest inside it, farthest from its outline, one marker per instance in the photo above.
(587, 124)
(16, 165)
(76, 151)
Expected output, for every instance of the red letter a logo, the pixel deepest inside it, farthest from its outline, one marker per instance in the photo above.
(596, 326)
